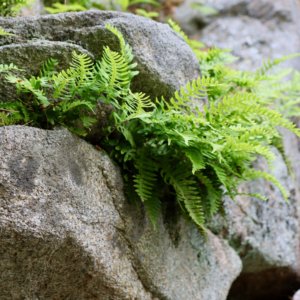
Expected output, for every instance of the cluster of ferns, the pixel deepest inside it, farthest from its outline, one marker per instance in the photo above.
(164, 146)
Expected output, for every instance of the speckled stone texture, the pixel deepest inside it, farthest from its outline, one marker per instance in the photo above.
(254, 29)
(265, 235)
(68, 232)
(165, 61)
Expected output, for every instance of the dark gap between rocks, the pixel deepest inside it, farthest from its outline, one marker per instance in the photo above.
(272, 284)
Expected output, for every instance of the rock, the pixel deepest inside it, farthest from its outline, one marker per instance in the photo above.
(165, 61)
(67, 230)
(265, 235)
(31, 57)
(254, 30)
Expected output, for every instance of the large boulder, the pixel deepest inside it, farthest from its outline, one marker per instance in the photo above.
(67, 230)
(165, 61)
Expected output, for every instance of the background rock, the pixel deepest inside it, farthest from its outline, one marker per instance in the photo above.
(36, 9)
(67, 231)
(254, 29)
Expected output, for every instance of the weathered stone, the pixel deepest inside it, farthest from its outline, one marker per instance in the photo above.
(265, 235)
(254, 30)
(165, 61)
(67, 231)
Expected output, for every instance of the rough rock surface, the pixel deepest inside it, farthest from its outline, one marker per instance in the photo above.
(265, 234)
(254, 29)
(68, 232)
(165, 61)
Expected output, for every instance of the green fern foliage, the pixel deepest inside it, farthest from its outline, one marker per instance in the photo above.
(3, 32)
(9, 8)
(63, 8)
(5, 68)
(163, 147)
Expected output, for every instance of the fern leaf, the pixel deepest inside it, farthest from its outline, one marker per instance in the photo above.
(145, 180)
(5, 68)
(252, 175)
(270, 64)
(3, 32)
(48, 68)
(185, 189)
(28, 86)
(126, 50)
(153, 208)
(196, 158)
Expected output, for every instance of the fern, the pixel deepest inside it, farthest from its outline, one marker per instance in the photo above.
(3, 32)
(62, 8)
(196, 155)
(9, 8)
(5, 68)
(195, 45)
(184, 187)
(268, 65)
(145, 180)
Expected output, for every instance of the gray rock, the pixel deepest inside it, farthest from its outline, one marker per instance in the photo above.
(165, 61)
(67, 231)
(265, 235)
(254, 30)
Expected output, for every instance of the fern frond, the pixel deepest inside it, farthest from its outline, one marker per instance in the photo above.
(214, 195)
(196, 89)
(145, 180)
(195, 157)
(81, 68)
(5, 68)
(153, 208)
(185, 189)
(252, 175)
(62, 8)
(126, 50)
(48, 68)
(268, 65)
(195, 45)
(29, 86)
(3, 32)
(135, 104)
(113, 75)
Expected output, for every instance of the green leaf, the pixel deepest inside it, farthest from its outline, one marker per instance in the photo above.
(195, 157)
